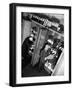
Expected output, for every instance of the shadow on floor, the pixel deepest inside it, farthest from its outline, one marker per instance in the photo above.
(30, 71)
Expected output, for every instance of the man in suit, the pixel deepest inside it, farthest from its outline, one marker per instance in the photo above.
(45, 51)
(26, 52)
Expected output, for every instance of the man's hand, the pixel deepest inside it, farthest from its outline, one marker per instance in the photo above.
(49, 57)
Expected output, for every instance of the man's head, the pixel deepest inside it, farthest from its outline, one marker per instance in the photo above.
(47, 47)
(31, 38)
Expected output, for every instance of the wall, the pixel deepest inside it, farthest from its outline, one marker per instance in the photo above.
(26, 28)
(4, 45)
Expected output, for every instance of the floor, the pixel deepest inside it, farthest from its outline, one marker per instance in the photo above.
(30, 71)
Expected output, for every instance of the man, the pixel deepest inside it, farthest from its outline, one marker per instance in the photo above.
(26, 48)
(45, 51)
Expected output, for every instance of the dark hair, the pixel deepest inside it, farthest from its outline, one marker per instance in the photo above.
(50, 37)
(34, 28)
(44, 46)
